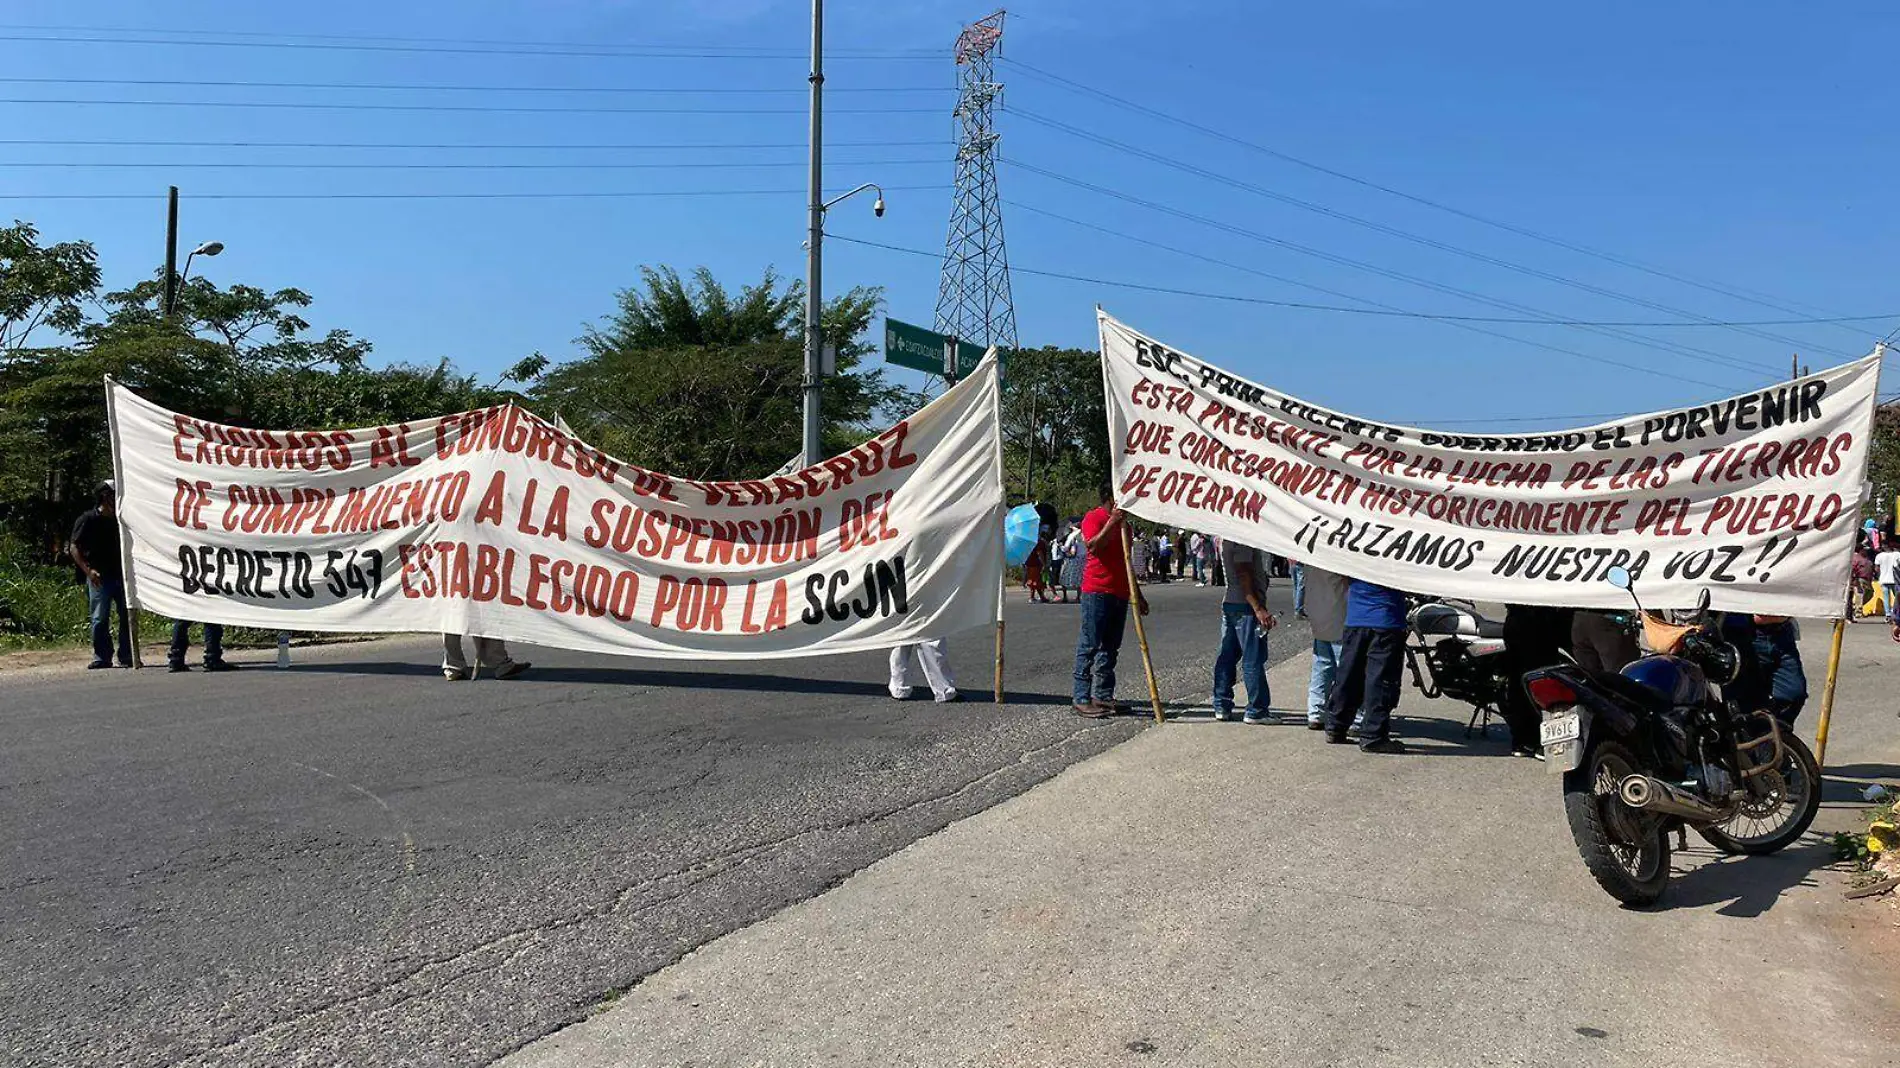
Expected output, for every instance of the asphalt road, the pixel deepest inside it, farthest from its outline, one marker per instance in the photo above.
(355, 862)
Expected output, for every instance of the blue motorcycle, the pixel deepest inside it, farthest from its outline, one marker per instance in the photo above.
(1660, 746)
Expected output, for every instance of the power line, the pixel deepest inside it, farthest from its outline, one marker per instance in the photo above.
(1702, 355)
(566, 52)
(1383, 310)
(442, 145)
(247, 165)
(578, 195)
(280, 35)
(1280, 303)
(419, 87)
(1392, 231)
(306, 105)
(1735, 293)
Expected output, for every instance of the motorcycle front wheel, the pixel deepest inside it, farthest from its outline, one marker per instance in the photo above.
(1627, 851)
(1774, 818)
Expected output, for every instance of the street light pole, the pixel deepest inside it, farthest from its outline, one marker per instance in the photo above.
(815, 223)
(171, 255)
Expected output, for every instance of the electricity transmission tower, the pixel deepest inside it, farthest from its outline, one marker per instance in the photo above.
(973, 299)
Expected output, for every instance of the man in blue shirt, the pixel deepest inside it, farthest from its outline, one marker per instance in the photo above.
(1371, 659)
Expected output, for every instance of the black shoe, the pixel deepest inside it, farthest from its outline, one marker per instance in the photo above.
(220, 665)
(1336, 738)
(1382, 745)
(1315, 724)
(178, 667)
(97, 664)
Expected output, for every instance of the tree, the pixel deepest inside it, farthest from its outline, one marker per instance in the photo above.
(690, 379)
(1053, 411)
(42, 285)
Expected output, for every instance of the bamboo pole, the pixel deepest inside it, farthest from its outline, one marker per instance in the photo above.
(999, 661)
(1141, 630)
(1827, 696)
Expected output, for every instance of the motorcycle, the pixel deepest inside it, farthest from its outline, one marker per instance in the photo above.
(1659, 746)
(1462, 656)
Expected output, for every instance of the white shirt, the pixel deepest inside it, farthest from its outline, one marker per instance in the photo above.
(1887, 566)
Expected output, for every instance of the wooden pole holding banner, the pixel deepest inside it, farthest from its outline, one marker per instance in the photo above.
(1827, 697)
(999, 661)
(1141, 630)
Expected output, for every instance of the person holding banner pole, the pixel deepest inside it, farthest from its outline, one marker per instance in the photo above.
(932, 656)
(492, 652)
(1106, 590)
(97, 552)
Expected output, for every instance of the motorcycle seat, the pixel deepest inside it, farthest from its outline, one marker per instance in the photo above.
(1647, 697)
(1490, 628)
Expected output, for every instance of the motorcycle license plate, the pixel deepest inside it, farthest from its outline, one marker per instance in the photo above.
(1559, 729)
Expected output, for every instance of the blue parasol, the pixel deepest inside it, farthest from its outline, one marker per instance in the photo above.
(1021, 529)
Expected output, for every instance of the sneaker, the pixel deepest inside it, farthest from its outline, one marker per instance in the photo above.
(1270, 717)
(455, 674)
(220, 665)
(178, 667)
(1313, 724)
(1526, 751)
(1382, 745)
(1336, 738)
(1090, 710)
(97, 664)
(949, 698)
(1223, 714)
(508, 669)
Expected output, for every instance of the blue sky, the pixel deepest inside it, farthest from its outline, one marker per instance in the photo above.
(1742, 147)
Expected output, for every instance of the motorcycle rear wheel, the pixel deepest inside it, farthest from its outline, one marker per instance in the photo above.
(1795, 798)
(1626, 851)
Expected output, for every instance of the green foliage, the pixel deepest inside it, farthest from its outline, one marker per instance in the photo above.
(692, 380)
(1052, 408)
(42, 285)
(1883, 462)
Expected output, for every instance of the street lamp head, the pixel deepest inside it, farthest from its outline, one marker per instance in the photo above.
(877, 206)
(209, 248)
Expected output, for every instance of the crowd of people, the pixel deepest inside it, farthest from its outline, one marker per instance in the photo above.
(1359, 628)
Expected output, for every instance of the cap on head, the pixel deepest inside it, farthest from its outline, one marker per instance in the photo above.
(105, 492)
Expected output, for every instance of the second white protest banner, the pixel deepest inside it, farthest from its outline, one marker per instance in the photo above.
(1755, 498)
(495, 523)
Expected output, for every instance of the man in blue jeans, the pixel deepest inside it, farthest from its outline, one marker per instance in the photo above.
(95, 549)
(1105, 596)
(1244, 624)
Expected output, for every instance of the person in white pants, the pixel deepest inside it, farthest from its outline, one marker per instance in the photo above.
(931, 656)
(492, 652)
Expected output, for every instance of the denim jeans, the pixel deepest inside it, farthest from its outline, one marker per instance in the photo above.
(1104, 617)
(1299, 588)
(1890, 593)
(110, 593)
(1200, 573)
(1241, 643)
(1370, 664)
(1319, 685)
(181, 641)
(1780, 659)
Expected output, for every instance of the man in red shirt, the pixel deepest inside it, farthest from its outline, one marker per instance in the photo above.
(1105, 597)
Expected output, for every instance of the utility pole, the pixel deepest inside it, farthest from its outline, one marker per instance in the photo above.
(814, 255)
(171, 256)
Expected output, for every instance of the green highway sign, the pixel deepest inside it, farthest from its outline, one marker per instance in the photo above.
(923, 350)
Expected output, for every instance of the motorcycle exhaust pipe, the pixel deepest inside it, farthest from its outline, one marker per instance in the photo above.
(1647, 794)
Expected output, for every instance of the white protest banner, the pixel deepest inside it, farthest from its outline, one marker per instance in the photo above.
(1755, 498)
(495, 523)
